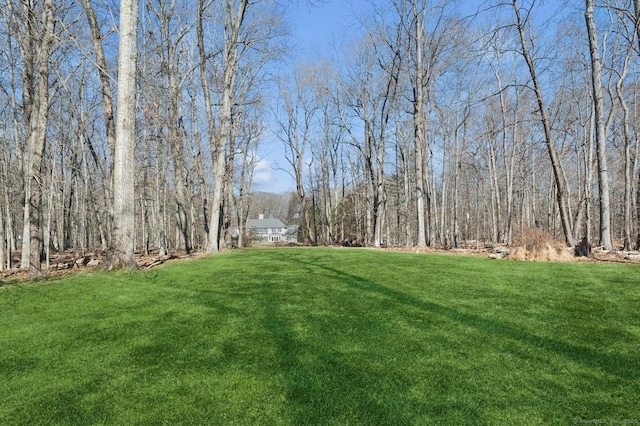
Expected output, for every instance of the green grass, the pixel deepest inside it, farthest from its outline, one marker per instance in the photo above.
(325, 336)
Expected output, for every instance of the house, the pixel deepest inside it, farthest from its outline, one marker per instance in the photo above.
(267, 230)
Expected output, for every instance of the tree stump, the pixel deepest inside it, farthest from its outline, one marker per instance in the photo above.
(583, 248)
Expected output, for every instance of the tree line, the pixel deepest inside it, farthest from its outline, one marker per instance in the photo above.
(431, 123)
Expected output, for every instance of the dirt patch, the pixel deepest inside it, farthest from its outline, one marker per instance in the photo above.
(68, 263)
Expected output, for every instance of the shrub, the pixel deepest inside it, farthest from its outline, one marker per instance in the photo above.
(540, 245)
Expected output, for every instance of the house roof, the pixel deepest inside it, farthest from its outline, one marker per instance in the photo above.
(270, 222)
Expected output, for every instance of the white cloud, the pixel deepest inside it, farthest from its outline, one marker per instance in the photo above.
(262, 173)
(268, 177)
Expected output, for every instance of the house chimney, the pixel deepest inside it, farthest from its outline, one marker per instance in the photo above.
(261, 216)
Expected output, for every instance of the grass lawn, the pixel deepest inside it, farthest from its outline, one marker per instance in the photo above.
(325, 336)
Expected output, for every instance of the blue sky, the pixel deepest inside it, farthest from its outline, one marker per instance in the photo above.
(313, 30)
(315, 26)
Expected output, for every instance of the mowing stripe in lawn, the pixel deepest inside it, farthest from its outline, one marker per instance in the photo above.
(325, 336)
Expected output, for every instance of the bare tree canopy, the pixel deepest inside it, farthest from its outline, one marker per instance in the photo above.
(147, 127)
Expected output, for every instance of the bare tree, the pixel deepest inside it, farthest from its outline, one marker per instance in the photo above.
(234, 16)
(556, 165)
(2, 224)
(295, 117)
(168, 32)
(243, 27)
(326, 147)
(105, 79)
(36, 110)
(599, 124)
(206, 91)
(372, 96)
(636, 22)
(420, 84)
(627, 138)
(250, 131)
(330, 141)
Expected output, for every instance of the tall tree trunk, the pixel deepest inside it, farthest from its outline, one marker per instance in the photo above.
(107, 106)
(123, 242)
(380, 200)
(302, 197)
(208, 103)
(228, 181)
(596, 86)
(510, 168)
(2, 226)
(627, 179)
(419, 127)
(628, 160)
(556, 165)
(37, 143)
(199, 165)
(246, 179)
(295, 128)
(234, 19)
(175, 133)
(325, 184)
(636, 14)
(28, 98)
(582, 222)
(169, 50)
(457, 165)
(496, 203)
(101, 65)
(6, 212)
(219, 168)
(443, 229)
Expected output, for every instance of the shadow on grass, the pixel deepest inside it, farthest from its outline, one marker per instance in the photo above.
(620, 366)
(321, 385)
(318, 378)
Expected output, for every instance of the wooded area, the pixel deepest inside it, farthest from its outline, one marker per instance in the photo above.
(432, 124)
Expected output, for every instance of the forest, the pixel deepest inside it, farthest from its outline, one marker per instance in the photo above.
(137, 127)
